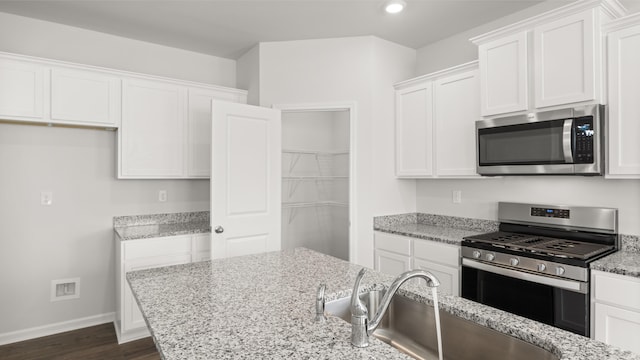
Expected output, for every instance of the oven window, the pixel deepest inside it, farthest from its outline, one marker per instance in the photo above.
(523, 144)
(556, 307)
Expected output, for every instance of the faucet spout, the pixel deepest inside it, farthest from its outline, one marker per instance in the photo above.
(361, 330)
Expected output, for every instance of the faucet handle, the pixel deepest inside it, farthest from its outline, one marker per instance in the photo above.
(320, 303)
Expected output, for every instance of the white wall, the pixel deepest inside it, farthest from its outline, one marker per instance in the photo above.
(480, 197)
(359, 69)
(34, 37)
(74, 237)
(248, 74)
(457, 49)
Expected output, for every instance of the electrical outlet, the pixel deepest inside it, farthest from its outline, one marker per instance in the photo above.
(456, 196)
(65, 289)
(162, 195)
(46, 198)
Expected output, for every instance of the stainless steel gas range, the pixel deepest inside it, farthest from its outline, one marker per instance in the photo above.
(537, 264)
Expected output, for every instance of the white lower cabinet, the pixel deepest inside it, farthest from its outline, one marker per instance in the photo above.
(616, 310)
(395, 254)
(133, 255)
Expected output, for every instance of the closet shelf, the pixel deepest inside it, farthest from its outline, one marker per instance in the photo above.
(313, 152)
(314, 177)
(292, 205)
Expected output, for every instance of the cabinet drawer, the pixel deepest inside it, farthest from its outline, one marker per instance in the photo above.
(394, 243)
(617, 289)
(172, 245)
(441, 253)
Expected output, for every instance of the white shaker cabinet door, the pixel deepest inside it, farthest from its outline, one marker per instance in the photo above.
(624, 107)
(21, 90)
(448, 277)
(565, 60)
(456, 109)
(85, 97)
(199, 133)
(391, 263)
(152, 132)
(503, 75)
(414, 130)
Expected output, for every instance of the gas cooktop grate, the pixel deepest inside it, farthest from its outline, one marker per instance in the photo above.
(541, 245)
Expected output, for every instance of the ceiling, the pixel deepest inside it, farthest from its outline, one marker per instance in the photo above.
(228, 28)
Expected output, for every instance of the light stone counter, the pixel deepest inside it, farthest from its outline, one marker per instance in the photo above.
(262, 306)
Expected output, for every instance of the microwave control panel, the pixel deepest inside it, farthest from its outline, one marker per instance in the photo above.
(583, 140)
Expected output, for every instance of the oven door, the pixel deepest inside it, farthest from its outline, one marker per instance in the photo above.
(553, 301)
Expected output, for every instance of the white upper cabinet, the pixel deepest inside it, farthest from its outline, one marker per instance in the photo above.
(503, 75)
(414, 128)
(435, 124)
(456, 105)
(562, 66)
(565, 60)
(85, 97)
(152, 142)
(623, 44)
(21, 90)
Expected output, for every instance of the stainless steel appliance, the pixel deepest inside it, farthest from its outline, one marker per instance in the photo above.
(537, 264)
(558, 142)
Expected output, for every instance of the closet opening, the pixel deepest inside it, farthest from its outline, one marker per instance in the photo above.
(317, 178)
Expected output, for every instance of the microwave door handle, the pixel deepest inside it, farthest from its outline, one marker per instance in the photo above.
(567, 134)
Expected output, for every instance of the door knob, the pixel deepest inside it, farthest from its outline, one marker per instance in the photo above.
(219, 229)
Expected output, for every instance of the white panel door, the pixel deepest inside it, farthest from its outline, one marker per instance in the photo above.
(503, 75)
(85, 97)
(456, 109)
(151, 135)
(624, 107)
(564, 57)
(414, 130)
(199, 133)
(21, 89)
(245, 186)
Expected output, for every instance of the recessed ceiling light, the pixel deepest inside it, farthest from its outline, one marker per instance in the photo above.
(394, 6)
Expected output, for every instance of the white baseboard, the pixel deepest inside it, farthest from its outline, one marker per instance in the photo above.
(39, 331)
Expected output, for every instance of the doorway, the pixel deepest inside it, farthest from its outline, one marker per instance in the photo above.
(317, 177)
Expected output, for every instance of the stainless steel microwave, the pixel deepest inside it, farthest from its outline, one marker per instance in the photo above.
(559, 142)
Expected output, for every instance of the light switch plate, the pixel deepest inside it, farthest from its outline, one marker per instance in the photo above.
(46, 198)
(162, 195)
(456, 196)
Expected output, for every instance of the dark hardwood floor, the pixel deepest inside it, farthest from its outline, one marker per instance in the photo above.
(92, 343)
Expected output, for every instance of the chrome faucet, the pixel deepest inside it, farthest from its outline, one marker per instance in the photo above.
(361, 327)
(320, 304)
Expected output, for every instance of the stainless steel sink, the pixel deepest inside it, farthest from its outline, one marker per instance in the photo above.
(409, 326)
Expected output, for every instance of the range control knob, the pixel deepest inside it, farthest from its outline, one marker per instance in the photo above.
(514, 261)
(559, 270)
(542, 267)
(490, 257)
(476, 254)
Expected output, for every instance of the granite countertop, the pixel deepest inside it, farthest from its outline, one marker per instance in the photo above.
(446, 229)
(621, 262)
(429, 232)
(262, 306)
(161, 225)
(135, 232)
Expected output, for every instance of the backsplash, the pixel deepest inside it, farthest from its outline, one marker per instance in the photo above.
(630, 243)
(153, 219)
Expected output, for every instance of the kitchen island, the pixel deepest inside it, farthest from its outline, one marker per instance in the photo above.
(262, 306)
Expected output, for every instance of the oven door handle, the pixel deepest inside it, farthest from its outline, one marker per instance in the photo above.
(571, 285)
